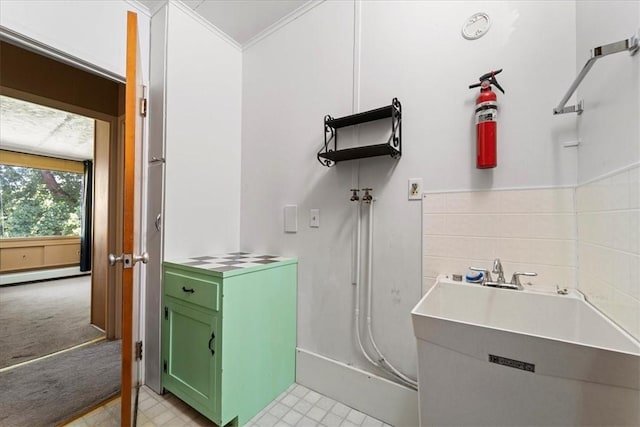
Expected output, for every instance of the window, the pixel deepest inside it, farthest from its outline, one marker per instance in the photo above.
(41, 194)
(39, 202)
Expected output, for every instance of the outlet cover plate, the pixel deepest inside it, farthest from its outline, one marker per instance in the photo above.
(415, 189)
(291, 218)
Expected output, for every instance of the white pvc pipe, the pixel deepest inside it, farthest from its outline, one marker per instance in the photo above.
(357, 283)
(383, 361)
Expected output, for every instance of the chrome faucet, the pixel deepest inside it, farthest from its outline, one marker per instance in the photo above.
(500, 282)
(497, 269)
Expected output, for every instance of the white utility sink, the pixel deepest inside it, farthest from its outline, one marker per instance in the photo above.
(489, 356)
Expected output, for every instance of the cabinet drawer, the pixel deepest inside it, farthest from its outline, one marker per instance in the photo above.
(191, 289)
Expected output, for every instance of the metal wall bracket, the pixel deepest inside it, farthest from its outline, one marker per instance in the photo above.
(630, 45)
(578, 108)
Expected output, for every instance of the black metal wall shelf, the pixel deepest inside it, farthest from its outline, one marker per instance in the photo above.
(329, 156)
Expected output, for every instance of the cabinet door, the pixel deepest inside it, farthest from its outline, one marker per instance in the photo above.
(190, 356)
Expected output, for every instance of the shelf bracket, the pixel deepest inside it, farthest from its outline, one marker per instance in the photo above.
(395, 139)
(631, 45)
(330, 134)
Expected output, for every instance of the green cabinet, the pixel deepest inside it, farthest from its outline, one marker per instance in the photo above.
(229, 333)
(190, 364)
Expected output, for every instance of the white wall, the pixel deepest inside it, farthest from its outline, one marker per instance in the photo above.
(608, 128)
(608, 217)
(203, 95)
(93, 31)
(413, 51)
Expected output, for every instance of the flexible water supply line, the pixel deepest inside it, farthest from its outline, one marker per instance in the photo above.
(383, 361)
(357, 283)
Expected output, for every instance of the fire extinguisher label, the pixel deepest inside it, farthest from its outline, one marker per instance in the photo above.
(486, 116)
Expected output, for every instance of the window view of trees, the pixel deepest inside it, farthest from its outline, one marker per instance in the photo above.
(38, 202)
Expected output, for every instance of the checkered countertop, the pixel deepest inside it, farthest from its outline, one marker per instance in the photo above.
(230, 261)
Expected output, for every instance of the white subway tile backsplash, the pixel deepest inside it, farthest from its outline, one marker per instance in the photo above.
(618, 269)
(597, 291)
(471, 248)
(608, 218)
(529, 230)
(434, 245)
(434, 266)
(434, 203)
(554, 226)
(537, 251)
(473, 202)
(548, 275)
(434, 224)
(584, 198)
(615, 229)
(633, 238)
(627, 312)
(617, 191)
(634, 188)
(470, 225)
(556, 200)
(515, 225)
(586, 227)
(634, 273)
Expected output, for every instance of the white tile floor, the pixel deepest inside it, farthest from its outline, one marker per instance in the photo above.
(298, 406)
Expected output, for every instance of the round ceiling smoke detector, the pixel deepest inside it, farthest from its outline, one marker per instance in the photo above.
(476, 26)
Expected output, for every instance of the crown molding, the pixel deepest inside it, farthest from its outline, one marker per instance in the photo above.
(141, 7)
(292, 16)
(195, 15)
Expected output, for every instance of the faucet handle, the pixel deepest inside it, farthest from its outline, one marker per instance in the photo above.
(487, 274)
(515, 279)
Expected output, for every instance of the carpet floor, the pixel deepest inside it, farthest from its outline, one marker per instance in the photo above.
(41, 318)
(51, 390)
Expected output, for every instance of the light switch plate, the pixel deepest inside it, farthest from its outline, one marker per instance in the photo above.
(314, 218)
(415, 189)
(291, 218)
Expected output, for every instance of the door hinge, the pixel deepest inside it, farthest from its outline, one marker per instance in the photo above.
(164, 366)
(138, 350)
(143, 107)
(166, 313)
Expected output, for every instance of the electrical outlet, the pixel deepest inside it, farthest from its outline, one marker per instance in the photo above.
(415, 189)
(314, 218)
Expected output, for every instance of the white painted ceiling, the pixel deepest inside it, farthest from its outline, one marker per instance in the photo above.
(31, 128)
(239, 19)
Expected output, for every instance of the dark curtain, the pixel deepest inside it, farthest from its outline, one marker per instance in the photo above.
(87, 205)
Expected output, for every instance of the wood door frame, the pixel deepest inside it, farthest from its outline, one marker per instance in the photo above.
(131, 224)
(106, 169)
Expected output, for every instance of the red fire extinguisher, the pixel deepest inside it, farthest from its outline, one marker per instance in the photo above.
(486, 121)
